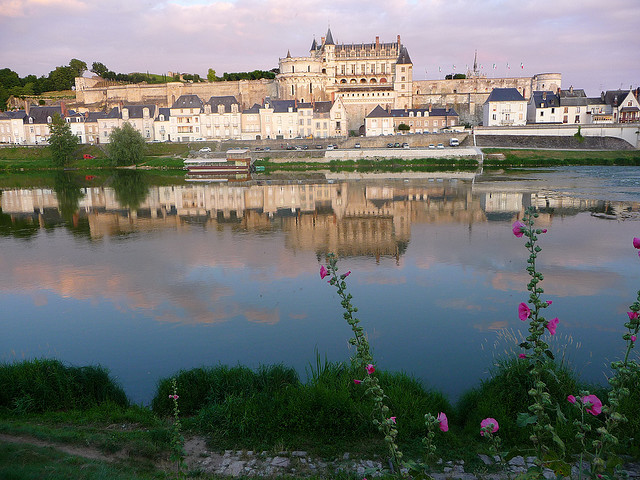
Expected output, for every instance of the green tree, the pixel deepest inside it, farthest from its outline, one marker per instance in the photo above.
(99, 68)
(126, 145)
(62, 143)
(403, 127)
(78, 66)
(211, 75)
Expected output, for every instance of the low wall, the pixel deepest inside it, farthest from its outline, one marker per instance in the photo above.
(554, 143)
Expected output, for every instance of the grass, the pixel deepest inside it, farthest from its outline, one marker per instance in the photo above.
(48, 385)
(549, 158)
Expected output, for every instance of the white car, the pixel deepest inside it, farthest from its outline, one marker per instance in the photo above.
(454, 142)
(440, 145)
(205, 150)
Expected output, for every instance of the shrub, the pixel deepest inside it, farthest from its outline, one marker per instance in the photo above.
(48, 385)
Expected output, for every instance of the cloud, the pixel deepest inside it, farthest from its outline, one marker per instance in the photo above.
(192, 36)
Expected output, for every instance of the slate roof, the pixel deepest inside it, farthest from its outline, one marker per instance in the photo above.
(378, 112)
(548, 98)
(164, 111)
(616, 97)
(226, 100)
(424, 112)
(329, 39)
(254, 109)
(188, 101)
(40, 114)
(314, 45)
(505, 95)
(114, 113)
(580, 101)
(403, 58)
(136, 111)
(572, 93)
(322, 107)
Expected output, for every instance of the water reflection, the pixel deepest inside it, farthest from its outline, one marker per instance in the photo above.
(179, 275)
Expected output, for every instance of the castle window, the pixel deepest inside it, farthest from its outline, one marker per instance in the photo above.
(293, 69)
(308, 68)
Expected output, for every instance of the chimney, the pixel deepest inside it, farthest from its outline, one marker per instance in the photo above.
(63, 109)
(544, 95)
(398, 42)
(322, 40)
(571, 89)
(377, 42)
(86, 114)
(26, 108)
(430, 105)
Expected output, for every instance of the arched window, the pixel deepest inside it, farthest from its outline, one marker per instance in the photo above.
(344, 80)
(49, 119)
(353, 80)
(373, 80)
(383, 80)
(363, 80)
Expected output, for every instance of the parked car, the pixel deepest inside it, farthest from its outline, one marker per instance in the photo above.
(405, 145)
(86, 156)
(329, 147)
(396, 145)
(431, 145)
(389, 145)
(199, 139)
(319, 147)
(267, 149)
(440, 145)
(357, 145)
(454, 142)
(258, 149)
(205, 150)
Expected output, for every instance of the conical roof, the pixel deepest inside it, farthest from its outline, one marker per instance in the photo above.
(329, 39)
(403, 58)
(314, 45)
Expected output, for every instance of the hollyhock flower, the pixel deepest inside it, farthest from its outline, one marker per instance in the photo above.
(593, 403)
(571, 399)
(544, 230)
(552, 325)
(523, 311)
(522, 355)
(633, 338)
(357, 382)
(346, 274)
(632, 315)
(489, 422)
(444, 422)
(323, 272)
(393, 419)
(636, 242)
(370, 369)
(517, 228)
(549, 302)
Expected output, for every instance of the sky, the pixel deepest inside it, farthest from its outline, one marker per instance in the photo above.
(594, 44)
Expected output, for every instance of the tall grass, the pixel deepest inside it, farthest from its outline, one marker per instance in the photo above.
(49, 385)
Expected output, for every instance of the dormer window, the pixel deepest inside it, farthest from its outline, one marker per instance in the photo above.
(30, 119)
(49, 119)
(162, 118)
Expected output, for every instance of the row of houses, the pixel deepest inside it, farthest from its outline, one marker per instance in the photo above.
(188, 119)
(507, 107)
(388, 121)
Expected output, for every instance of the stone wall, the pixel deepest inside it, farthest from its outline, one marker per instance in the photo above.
(552, 142)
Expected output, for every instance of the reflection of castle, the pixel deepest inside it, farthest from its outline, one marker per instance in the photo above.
(371, 218)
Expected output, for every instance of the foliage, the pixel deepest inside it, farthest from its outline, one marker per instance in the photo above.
(211, 75)
(130, 188)
(403, 127)
(126, 145)
(68, 194)
(62, 142)
(45, 385)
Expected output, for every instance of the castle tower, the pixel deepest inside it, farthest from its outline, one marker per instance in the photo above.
(403, 79)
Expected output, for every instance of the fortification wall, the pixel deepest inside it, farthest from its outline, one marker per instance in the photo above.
(247, 92)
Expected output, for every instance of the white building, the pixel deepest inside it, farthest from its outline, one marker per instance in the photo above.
(504, 107)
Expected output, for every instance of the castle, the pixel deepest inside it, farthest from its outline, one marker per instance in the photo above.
(363, 75)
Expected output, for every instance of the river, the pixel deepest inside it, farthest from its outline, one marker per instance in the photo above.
(147, 275)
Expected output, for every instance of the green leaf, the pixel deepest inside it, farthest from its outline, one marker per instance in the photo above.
(525, 419)
(549, 354)
(558, 441)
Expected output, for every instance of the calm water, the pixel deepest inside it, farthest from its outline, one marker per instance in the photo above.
(148, 279)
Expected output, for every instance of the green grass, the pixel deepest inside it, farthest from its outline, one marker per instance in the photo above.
(550, 158)
(47, 385)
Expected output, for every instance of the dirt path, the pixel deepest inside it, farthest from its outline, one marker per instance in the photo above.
(84, 452)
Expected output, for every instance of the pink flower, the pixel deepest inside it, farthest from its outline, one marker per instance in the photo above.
(552, 325)
(632, 315)
(636, 242)
(571, 399)
(370, 369)
(523, 311)
(444, 422)
(347, 274)
(323, 272)
(516, 228)
(357, 382)
(489, 423)
(393, 419)
(633, 338)
(593, 403)
(549, 302)
(175, 397)
(544, 230)
(522, 355)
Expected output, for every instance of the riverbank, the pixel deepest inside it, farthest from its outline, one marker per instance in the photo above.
(266, 422)
(170, 156)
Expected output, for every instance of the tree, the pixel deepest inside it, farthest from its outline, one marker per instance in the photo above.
(78, 66)
(99, 68)
(403, 127)
(211, 75)
(126, 145)
(62, 142)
